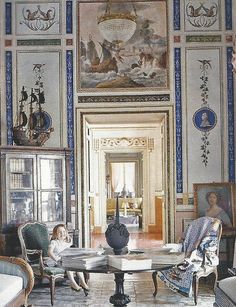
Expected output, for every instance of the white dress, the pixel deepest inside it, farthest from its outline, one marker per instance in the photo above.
(57, 246)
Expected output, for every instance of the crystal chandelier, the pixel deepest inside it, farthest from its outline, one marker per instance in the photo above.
(117, 27)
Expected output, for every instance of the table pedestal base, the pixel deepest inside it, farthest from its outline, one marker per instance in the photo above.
(119, 298)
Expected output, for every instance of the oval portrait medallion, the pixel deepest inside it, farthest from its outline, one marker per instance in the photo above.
(204, 119)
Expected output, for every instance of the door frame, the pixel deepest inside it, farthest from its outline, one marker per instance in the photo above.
(82, 196)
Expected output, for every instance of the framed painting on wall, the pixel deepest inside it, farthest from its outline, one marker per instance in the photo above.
(216, 200)
(122, 46)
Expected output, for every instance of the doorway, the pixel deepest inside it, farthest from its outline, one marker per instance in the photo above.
(124, 180)
(148, 133)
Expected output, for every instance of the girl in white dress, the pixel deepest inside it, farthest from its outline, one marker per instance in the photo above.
(61, 240)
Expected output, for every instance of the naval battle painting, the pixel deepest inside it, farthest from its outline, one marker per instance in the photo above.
(122, 46)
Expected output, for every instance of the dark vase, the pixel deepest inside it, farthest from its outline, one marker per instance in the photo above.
(117, 235)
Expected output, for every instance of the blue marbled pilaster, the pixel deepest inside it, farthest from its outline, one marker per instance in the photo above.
(9, 117)
(70, 114)
(230, 98)
(8, 18)
(176, 13)
(228, 14)
(69, 23)
(178, 120)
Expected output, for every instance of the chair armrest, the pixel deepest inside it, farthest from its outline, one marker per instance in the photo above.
(36, 252)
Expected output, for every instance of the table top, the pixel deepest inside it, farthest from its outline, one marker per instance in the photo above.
(107, 269)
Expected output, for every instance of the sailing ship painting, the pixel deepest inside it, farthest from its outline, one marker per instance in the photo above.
(123, 45)
(33, 125)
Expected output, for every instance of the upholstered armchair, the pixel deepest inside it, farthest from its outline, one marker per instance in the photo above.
(201, 247)
(16, 281)
(34, 240)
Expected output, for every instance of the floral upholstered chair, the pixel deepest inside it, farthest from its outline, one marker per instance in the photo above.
(201, 247)
(34, 240)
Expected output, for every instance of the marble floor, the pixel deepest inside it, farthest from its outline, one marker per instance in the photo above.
(138, 286)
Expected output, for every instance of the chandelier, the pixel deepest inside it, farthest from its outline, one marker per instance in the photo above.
(117, 27)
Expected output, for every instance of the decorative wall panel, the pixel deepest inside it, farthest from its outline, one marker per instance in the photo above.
(8, 58)
(37, 18)
(42, 68)
(202, 16)
(70, 115)
(231, 126)
(8, 18)
(178, 121)
(138, 61)
(204, 116)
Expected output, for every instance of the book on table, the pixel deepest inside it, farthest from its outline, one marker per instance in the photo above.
(84, 261)
(164, 256)
(76, 251)
(130, 262)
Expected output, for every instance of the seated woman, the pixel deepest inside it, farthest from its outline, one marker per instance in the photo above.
(61, 240)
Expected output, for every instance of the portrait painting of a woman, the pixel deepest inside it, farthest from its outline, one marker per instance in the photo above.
(214, 210)
(216, 200)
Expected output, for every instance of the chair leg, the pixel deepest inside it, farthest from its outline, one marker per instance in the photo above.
(154, 278)
(195, 288)
(86, 277)
(52, 289)
(216, 278)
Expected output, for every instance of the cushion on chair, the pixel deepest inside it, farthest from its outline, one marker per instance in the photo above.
(48, 270)
(228, 285)
(12, 269)
(9, 287)
(36, 237)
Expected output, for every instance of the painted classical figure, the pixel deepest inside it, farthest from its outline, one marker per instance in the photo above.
(215, 210)
(205, 121)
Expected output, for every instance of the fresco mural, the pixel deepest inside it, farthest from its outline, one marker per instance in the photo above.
(38, 79)
(40, 18)
(133, 57)
(202, 15)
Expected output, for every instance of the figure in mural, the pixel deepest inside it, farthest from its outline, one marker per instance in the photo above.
(205, 121)
(215, 210)
(92, 54)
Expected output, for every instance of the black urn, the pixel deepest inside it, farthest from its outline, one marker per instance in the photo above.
(117, 235)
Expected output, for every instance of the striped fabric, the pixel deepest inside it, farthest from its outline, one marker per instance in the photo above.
(222, 300)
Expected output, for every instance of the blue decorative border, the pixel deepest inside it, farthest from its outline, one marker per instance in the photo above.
(9, 97)
(228, 14)
(230, 98)
(70, 114)
(176, 9)
(178, 120)
(8, 20)
(69, 24)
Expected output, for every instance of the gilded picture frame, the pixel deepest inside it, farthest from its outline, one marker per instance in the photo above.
(216, 200)
(116, 62)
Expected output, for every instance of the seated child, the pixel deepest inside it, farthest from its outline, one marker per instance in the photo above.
(61, 240)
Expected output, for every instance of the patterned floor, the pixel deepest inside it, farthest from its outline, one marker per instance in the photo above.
(138, 286)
